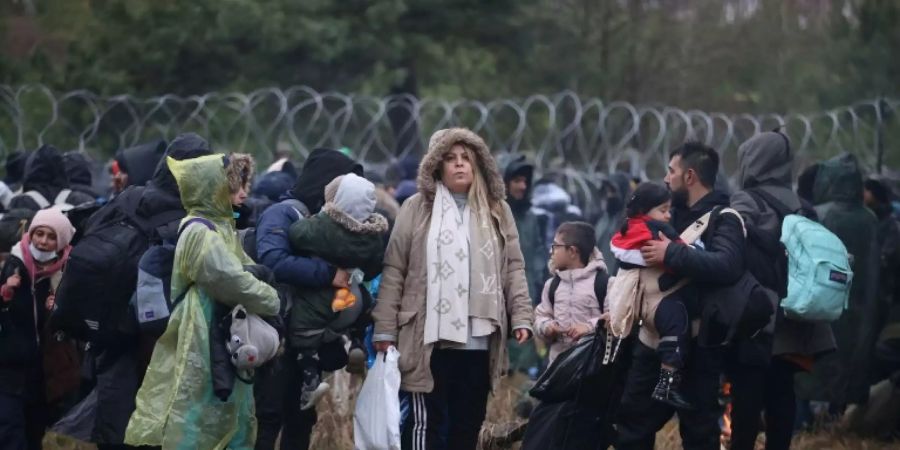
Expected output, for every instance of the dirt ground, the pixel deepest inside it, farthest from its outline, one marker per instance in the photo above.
(335, 428)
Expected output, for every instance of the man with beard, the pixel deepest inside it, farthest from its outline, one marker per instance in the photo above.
(691, 176)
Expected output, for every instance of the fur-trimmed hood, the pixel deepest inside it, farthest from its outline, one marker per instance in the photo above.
(241, 167)
(375, 224)
(440, 143)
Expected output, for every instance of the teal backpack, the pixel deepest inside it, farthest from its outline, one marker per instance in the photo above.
(819, 274)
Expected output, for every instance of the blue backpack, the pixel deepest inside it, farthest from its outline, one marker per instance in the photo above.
(819, 274)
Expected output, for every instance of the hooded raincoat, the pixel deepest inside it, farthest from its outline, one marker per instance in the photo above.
(176, 406)
(843, 377)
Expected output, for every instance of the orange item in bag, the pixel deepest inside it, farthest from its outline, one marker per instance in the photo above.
(343, 299)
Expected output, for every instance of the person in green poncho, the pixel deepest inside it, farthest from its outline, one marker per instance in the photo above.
(176, 405)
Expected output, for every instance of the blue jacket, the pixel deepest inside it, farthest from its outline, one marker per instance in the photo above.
(273, 247)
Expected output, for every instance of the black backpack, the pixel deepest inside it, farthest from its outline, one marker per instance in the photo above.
(764, 254)
(93, 299)
(600, 281)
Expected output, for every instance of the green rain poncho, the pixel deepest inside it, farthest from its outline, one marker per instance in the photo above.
(176, 407)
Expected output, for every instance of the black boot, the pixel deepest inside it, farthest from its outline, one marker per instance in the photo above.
(667, 391)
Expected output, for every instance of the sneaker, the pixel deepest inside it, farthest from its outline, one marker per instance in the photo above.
(310, 395)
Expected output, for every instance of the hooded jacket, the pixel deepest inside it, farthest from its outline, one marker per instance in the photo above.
(531, 228)
(400, 311)
(45, 173)
(176, 407)
(575, 302)
(78, 169)
(765, 163)
(843, 376)
(140, 161)
(273, 246)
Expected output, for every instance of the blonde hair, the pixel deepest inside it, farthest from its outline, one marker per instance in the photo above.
(478, 198)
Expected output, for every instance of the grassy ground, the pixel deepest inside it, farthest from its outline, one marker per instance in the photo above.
(335, 428)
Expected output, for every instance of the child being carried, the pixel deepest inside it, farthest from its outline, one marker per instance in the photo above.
(656, 294)
(347, 234)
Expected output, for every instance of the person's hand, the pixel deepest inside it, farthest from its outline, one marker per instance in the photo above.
(522, 335)
(382, 346)
(552, 330)
(654, 252)
(578, 330)
(14, 280)
(341, 279)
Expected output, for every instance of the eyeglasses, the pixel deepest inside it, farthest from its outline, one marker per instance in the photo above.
(554, 245)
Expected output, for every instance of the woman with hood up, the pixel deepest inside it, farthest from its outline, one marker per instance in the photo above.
(453, 288)
(176, 404)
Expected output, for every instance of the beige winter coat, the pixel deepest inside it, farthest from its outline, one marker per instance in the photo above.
(400, 311)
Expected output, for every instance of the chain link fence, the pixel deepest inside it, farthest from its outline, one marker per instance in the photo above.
(577, 139)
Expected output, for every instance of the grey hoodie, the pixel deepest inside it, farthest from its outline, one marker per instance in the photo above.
(765, 162)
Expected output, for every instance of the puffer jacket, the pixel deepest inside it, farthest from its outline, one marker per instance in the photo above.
(575, 302)
(400, 311)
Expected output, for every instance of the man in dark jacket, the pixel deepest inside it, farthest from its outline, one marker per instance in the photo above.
(277, 389)
(878, 198)
(518, 175)
(691, 177)
(842, 378)
(765, 197)
(44, 180)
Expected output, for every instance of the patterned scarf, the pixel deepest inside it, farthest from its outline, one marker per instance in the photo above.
(453, 300)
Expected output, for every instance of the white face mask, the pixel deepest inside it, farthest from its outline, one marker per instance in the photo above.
(41, 255)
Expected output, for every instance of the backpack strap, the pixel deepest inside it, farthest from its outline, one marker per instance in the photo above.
(38, 198)
(62, 197)
(600, 281)
(719, 210)
(190, 221)
(554, 285)
(764, 198)
(193, 220)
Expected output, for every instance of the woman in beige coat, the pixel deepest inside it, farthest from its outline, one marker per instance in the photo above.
(453, 286)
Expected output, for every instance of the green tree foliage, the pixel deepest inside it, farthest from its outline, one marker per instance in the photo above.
(731, 55)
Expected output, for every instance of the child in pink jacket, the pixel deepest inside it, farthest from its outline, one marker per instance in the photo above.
(575, 309)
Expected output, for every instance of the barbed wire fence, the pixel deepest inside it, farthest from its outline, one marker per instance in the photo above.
(579, 140)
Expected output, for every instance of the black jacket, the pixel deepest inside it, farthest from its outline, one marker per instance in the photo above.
(140, 161)
(722, 260)
(20, 353)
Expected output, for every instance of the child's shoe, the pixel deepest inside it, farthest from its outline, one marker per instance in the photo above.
(667, 391)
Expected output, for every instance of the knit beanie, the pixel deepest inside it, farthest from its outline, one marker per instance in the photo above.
(54, 219)
(353, 195)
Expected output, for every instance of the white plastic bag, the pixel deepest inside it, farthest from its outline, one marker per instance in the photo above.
(376, 420)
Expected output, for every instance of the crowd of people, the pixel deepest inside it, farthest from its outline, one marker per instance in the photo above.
(193, 304)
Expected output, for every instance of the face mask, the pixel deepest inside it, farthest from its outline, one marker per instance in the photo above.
(41, 255)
